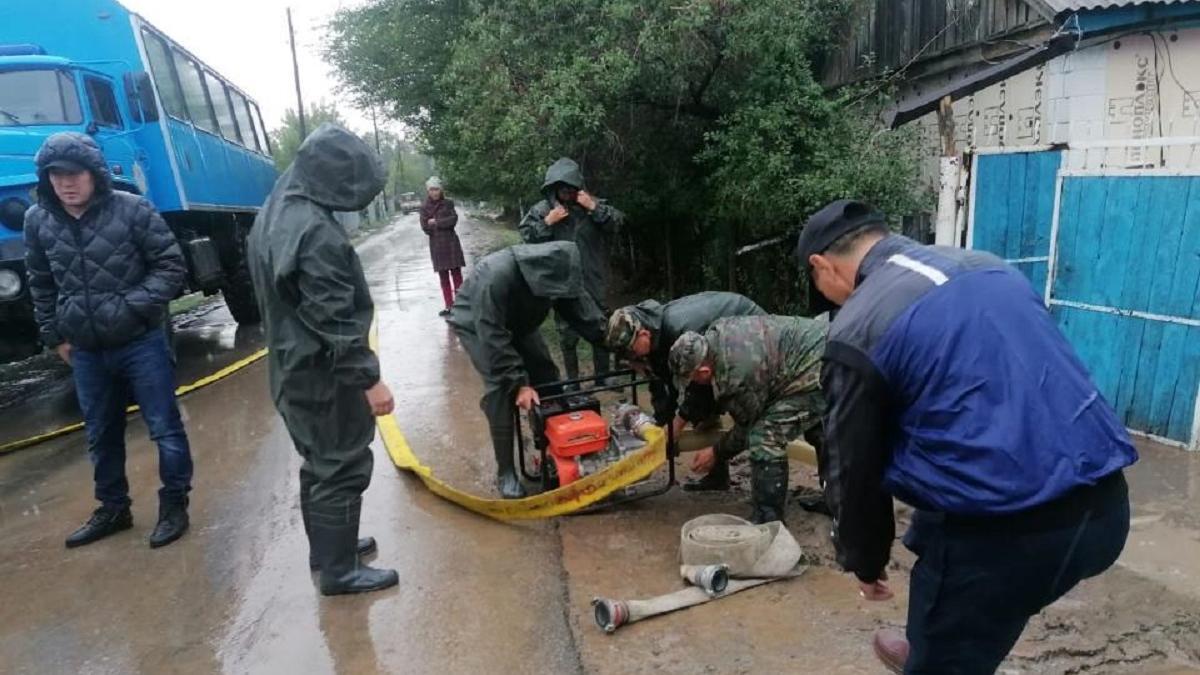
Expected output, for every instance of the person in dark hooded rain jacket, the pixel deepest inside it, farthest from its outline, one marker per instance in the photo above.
(497, 316)
(570, 213)
(644, 333)
(103, 267)
(317, 312)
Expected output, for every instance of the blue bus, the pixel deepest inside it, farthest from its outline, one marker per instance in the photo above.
(171, 127)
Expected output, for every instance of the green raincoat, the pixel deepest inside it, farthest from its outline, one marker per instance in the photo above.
(498, 315)
(317, 309)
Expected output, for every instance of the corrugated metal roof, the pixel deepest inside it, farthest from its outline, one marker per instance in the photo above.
(1073, 5)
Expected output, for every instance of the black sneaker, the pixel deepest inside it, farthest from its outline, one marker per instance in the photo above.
(172, 523)
(444, 313)
(104, 521)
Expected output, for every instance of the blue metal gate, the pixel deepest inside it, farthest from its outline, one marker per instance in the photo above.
(1119, 263)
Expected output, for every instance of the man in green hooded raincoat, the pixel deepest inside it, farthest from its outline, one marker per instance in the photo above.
(317, 311)
(497, 316)
(570, 213)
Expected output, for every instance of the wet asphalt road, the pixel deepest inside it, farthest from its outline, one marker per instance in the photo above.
(475, 596)
(37, 395)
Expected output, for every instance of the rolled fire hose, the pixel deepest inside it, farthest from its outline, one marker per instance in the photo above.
(720, 555)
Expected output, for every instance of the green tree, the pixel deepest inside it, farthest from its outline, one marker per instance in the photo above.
(286, 138)
(704, 119)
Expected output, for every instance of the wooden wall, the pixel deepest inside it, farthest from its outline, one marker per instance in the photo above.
(888, 34)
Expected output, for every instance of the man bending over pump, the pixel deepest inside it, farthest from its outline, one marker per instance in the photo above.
(765, 373)
(498, 315)
(644, 333)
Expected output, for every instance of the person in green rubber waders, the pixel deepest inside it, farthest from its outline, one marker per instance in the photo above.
(317, 312)
(498, 316)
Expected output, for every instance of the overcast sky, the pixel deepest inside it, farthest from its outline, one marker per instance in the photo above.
(247, 42)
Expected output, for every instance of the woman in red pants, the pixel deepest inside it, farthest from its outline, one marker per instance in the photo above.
(438, 219)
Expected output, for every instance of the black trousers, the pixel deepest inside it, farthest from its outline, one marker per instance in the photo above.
(978, 581)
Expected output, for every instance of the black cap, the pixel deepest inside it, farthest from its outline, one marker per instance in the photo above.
(65, 165)
(826, 226)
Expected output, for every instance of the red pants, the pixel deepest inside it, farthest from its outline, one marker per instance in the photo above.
(447, 291)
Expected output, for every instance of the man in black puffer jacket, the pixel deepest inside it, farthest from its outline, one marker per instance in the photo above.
(103, 267)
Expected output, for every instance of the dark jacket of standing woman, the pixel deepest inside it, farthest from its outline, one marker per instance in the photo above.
(444, 247)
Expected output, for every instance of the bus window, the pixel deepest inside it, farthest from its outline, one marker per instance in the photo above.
(242, 112)
(262, 128)
(216, 93)
(165, 79)
(193, 92)
(102, 103)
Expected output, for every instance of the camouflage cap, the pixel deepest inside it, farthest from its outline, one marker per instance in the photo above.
(622, 329)
(688, 352)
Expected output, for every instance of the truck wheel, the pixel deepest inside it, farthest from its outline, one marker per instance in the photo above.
(239, 296)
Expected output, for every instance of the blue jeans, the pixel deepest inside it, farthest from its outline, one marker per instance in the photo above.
(104, 379)
(975, 585)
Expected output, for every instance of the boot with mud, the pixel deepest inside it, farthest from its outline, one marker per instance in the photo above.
(768, 491)
(366, 545)
(811, 500)
(715, 480)
(892, 649)
(334, 539)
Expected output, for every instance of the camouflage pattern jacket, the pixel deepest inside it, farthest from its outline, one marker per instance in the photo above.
(761, 359)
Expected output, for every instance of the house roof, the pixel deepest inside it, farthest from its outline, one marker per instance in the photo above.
(1059, 6)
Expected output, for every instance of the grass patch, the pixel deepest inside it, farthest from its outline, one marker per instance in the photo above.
(549, 331)
(503, 238)
(186, 303)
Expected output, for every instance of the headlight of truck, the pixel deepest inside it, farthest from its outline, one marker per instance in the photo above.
(12, 213)
(10, 284)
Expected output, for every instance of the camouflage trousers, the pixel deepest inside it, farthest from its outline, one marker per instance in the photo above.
(785, 420)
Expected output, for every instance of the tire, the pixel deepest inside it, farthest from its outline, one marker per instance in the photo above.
(238, 290)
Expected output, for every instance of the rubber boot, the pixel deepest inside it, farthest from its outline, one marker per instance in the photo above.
(716, 479)
(601, 364)
(811, 500)
(507, 480)
(366, 545)
(334, 537)
(571, 361)
(768, 491)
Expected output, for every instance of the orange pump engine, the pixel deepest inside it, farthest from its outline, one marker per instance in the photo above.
(571, 438)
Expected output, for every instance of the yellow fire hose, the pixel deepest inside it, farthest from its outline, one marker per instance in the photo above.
(566, 499)
(560, 501)
(185, 389)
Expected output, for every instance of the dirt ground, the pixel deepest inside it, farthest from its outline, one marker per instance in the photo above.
(475, 596)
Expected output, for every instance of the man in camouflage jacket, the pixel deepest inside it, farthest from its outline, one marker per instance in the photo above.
(765, 373)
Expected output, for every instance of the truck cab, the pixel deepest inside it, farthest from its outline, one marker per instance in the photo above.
(171, 129)
(41, 95)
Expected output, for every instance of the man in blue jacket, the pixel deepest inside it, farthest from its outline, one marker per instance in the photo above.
(103, 266)
(950, 388)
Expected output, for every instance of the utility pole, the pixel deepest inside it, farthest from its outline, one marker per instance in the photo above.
(379, 151)
(296, 73)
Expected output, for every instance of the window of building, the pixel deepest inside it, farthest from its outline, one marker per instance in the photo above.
(191, 81)
(102, 103)
(165, 79)
(242, 111)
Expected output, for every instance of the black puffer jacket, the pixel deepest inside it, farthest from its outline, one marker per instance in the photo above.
(102, 280)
